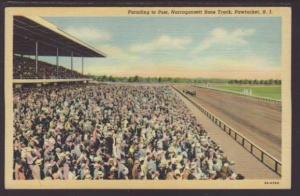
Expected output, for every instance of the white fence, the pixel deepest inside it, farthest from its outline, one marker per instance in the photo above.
(246, 93)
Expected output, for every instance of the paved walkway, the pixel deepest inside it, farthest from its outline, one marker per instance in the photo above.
(245, 163)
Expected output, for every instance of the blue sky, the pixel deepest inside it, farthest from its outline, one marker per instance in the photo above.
(219, 47)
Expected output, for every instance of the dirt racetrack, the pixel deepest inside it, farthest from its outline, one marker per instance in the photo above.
(258, 121)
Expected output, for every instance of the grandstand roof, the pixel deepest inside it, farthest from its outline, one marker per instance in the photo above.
(27, 30)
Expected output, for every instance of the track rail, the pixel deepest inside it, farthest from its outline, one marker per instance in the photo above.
(265, 99)
(268, 160)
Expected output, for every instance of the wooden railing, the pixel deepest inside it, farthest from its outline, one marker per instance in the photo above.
(264, 157)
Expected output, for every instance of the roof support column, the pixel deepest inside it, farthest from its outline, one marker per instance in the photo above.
(36, 56)
(82, 65)
(57, 62)
(72, 61)
(72, 64)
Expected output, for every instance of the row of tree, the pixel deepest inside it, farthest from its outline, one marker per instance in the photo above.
(105, 78)
(266, 82)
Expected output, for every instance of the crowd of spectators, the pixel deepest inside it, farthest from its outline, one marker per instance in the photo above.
(94, 132)
(24, 68)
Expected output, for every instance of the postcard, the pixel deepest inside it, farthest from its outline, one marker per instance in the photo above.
(148, 98)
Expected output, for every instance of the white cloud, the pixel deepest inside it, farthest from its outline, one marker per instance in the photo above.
(163, 42)
(114, 52)
(88, 34)
(220, 36)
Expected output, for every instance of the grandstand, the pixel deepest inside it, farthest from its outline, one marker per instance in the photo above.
(24, 68)
(34, 36)
(96, 131)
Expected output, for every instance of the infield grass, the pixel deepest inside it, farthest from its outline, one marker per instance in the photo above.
(273, 92)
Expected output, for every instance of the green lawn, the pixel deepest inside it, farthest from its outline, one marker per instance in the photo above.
(273, 92)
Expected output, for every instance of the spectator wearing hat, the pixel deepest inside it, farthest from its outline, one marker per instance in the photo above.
(105, 132)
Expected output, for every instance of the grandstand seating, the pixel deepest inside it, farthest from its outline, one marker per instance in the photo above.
(114, 131)
(24, 68)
